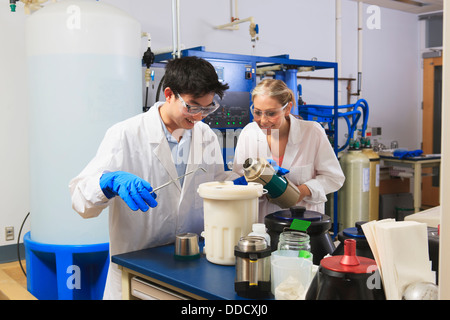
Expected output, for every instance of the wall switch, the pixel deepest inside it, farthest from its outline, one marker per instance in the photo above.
(376, 131)
(9, 233)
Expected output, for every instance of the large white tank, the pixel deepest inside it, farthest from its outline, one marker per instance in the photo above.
(85, 69)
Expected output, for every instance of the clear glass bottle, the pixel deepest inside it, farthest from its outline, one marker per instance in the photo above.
(294, 243)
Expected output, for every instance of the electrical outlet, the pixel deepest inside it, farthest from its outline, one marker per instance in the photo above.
(9, 233)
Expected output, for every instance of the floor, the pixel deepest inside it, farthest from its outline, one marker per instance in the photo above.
(13, 270)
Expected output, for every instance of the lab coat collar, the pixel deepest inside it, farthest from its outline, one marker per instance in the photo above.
(162, 149)
(155, 130)
(294, 139)
(155, 133)
(196, 151)
(295, 132)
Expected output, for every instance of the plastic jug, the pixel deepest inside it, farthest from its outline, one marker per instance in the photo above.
(229, 213)
(259, 230)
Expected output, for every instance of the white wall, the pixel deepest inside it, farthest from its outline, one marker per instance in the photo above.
(14, 172)
(391, 78)
(301, 28)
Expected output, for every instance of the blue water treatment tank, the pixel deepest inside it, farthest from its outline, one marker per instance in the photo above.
(85, 74)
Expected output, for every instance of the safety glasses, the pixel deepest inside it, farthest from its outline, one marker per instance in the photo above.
(194, 110)
(257, 114)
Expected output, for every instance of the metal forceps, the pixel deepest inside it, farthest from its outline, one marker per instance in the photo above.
(182, 176)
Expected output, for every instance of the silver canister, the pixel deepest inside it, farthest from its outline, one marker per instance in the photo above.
(186, 246)
(252, 267)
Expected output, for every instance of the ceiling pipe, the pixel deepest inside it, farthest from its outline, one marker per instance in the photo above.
(338, 35)
(234, 25)
(235, 21)
(176, 47)
(360, 45)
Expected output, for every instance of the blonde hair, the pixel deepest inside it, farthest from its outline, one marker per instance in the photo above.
(276, 89)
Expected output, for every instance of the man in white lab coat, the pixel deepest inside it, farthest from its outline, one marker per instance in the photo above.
(148, 150)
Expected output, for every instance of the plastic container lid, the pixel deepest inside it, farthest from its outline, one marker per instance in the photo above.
(298, 212)
(277, 221)
(355, 232)
(251, 244)
(227, 190)
(259, 227)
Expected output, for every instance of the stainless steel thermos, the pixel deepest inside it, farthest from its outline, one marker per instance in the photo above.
(252, 268)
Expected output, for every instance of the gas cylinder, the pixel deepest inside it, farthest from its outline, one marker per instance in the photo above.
(353, 198)
(374, 190)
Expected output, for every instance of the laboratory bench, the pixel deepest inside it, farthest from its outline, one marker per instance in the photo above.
(154, 273)
(417, 164)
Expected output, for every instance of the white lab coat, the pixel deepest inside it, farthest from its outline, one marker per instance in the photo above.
(139, 146)
(309, 156)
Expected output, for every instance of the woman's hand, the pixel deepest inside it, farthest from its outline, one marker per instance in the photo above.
(304, 191)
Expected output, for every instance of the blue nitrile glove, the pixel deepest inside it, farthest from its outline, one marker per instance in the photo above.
(278, 170)
(135, 191)
(241, 181)
(407, 154)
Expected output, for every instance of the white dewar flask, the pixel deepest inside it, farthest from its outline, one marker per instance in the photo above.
(229, 213)
(85, 71)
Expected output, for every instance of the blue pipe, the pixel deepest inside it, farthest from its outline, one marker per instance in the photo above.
(291, 82)
(355, 115)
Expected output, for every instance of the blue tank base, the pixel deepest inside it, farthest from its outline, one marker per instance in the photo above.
(66, 272)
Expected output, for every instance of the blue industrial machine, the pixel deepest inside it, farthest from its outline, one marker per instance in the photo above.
(240, 73)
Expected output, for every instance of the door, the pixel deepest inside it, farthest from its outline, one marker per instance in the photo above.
(431, 128)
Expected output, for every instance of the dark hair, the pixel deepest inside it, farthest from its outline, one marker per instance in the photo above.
(192, 75)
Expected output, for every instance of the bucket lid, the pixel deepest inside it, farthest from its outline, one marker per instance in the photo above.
(297, 212)
(227, 190)
(349, 262)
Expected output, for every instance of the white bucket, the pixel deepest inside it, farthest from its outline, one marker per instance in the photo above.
(229, 213)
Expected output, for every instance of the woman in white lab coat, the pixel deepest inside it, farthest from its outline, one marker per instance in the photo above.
(299, 146)
(151, 149)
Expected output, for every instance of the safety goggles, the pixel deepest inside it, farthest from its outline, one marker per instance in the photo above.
(257, 114)
(194, 110)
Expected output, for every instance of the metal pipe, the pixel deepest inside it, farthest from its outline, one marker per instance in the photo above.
(175, 29)
(178, 30)
(360, 45)
(339, 43)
